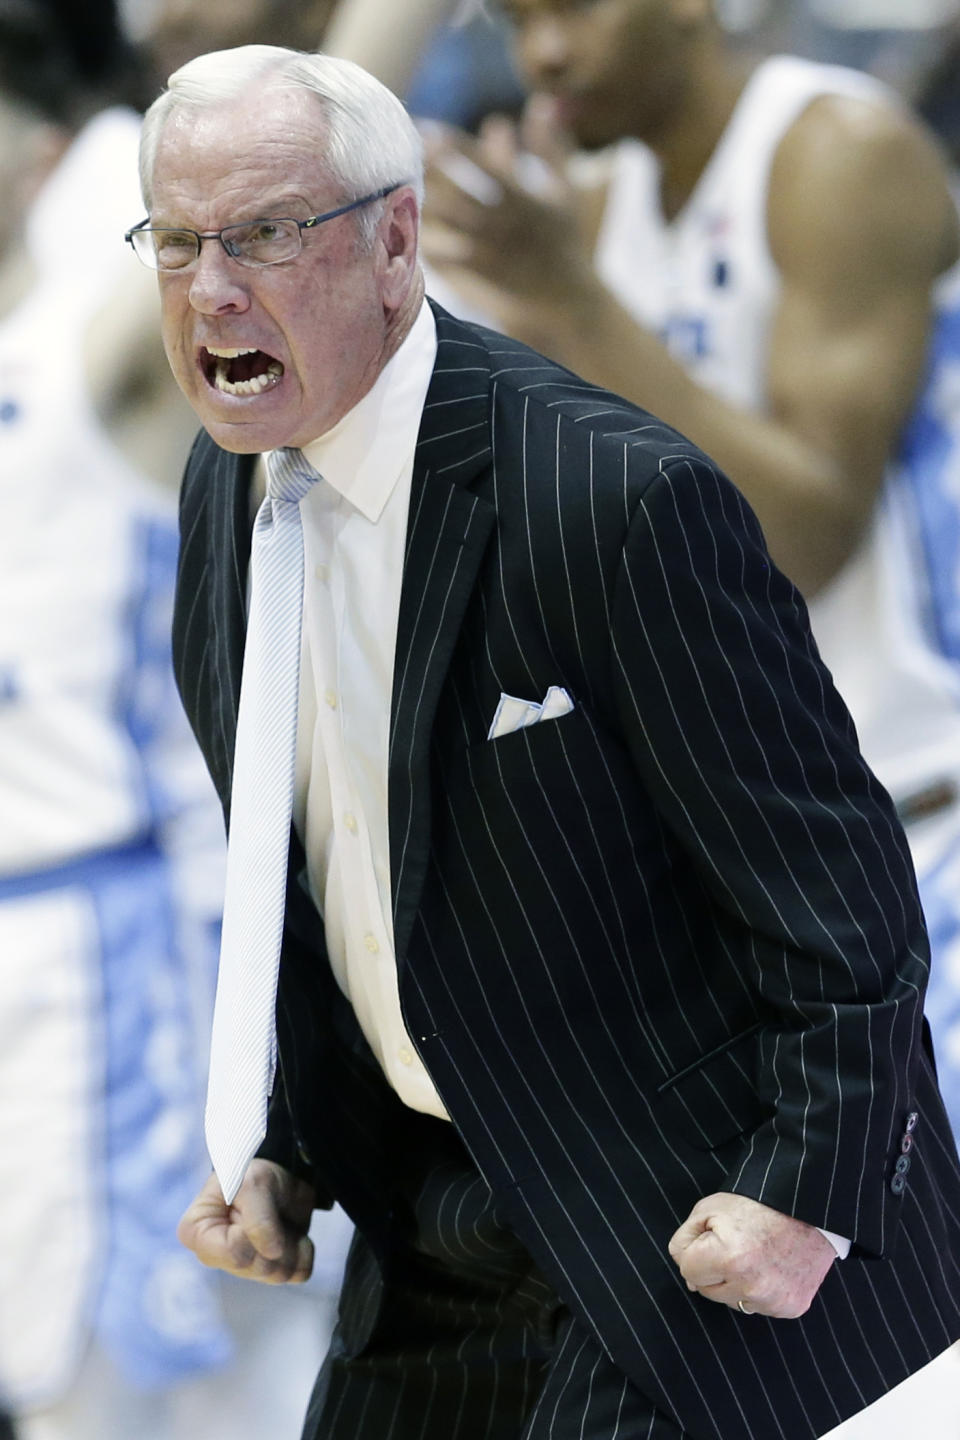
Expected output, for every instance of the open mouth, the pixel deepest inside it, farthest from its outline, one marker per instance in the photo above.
(239, 371)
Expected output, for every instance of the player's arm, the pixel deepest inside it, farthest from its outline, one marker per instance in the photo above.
(130, 383)
(389, 42)
(860, 224)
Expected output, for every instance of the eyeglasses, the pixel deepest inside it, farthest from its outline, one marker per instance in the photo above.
(255, 243)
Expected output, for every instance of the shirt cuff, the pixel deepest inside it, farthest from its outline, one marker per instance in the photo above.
(839, 1242)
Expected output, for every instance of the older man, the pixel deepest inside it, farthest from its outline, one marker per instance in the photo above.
(594, 948)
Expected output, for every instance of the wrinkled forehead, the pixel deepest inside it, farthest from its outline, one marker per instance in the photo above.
(275, 145)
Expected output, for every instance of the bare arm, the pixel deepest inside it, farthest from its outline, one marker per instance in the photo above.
(131, 384)
(389, 41)
(860, 224)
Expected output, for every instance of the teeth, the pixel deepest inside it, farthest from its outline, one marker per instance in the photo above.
(247, 387)
(232, 354)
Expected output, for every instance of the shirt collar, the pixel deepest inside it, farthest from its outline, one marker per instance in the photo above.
(364, 454)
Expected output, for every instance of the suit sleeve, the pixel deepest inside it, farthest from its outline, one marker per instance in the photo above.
(752, 759)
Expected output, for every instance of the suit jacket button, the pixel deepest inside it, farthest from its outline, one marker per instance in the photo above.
(898, 1184)
(902, 1165)
(912, 1120)
(906, 1144)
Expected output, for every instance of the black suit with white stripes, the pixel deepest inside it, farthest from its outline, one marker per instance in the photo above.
(666, 945)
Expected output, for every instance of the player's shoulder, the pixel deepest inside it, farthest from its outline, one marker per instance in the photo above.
(850, 145)
(857, 167)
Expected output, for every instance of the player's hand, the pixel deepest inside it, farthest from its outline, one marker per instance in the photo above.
(262, 1235)
(500, 216)
(743, 1254)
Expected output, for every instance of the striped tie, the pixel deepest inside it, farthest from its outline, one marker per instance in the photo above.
(243, 1047)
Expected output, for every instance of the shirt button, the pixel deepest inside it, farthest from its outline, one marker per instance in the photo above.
(371, 943)
(331, 698)
(322, 572)
(350, 820)
(406, 1056)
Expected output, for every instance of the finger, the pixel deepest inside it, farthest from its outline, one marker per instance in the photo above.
(293, 1268)
(458, 175)
(497, 145)
(734, 1296)
(277, 1210)
(258, 1211)
(542, 134)
(217, 1242)
(437, 136)
(203, 1225)
(303, 1262)
(537, 169)
(705, 1262)
(445, 204)
(233, 1249)
(685, 1234)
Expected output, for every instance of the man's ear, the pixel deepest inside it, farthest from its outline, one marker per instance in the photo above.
(398, 236)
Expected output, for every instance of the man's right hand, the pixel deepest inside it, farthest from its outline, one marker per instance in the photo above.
(262, 1235)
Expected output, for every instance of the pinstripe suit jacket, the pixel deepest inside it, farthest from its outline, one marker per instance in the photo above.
(666, 945)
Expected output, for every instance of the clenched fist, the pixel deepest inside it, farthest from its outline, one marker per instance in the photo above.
(262, 1235)
(743, 1254)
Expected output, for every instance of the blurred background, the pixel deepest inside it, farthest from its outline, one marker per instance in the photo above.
(111, 846)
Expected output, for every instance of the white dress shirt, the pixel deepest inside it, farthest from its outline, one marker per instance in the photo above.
(355, 529)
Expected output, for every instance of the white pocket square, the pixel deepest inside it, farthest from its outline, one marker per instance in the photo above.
(513, 714)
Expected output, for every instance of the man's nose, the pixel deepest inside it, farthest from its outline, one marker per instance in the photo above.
(218, 283)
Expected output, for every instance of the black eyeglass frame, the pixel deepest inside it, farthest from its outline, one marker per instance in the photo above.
(145, 228)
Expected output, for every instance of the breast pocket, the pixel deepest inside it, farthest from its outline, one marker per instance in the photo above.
(556, 778)
(527, 741)
(717, 1097)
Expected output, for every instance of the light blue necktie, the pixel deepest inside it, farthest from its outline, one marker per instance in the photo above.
(243, 1047)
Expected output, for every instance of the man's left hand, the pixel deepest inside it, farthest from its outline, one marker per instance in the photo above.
(743, 1254)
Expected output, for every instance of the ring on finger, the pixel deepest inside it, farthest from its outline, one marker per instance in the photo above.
(743, 1309)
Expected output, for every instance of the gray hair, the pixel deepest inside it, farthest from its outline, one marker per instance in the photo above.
(370, 141)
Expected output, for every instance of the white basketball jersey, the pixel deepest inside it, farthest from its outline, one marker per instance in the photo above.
(707, 284)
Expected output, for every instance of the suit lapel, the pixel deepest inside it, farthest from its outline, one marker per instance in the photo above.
(229, 502)
(447, 534)
(232, 546)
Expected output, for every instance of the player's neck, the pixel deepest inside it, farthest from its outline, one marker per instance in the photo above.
(684, 148)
